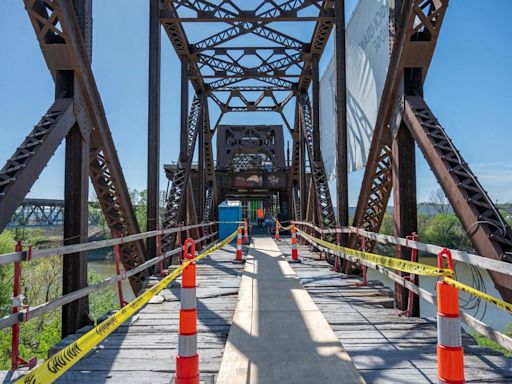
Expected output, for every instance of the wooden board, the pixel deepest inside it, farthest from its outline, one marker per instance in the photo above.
(386, 348)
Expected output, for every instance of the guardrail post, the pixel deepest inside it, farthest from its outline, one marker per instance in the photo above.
(411, 277)
(159, 253)
(246, 231)
(187, 360)
(204, 232)
(117, 259)
(450, 354)
(336, 266)
(17, 305)
(178, 239)
(364, 268)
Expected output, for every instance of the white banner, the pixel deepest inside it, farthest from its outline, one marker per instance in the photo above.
(367, 42)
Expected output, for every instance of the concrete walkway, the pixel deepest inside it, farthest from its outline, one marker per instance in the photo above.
(278, 334)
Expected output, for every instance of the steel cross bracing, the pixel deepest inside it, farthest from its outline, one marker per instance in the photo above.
(259, 78)
(319, 177)
(176, 199)
(482, 221)
(414, 40)
(56, 26)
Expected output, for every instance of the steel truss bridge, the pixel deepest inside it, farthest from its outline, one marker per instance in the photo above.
(277, 71)
(43, 213)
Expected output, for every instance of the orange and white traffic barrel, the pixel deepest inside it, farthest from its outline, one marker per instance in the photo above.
(187, 361)
(277, 230)
(239, 257)
(450, 354)
(295, 252)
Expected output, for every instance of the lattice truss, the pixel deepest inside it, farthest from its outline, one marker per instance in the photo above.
(239, 77)
(249, 56)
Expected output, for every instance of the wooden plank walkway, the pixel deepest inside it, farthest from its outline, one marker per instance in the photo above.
(278, 334)
(143, 350)
(386, 348)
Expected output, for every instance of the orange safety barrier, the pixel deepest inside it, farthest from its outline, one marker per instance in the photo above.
(450, 354)
(239, 257)
(277, 230)
(295, 252)
(187, 360)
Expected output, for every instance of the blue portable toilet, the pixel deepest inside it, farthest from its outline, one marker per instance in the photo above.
(229, 211)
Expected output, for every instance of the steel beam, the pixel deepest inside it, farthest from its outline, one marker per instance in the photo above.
(341, 121)
(487, 229)
(404, 207)
(153, 188)
(28, 161)
(414, 40)
(75, 315)
(58, 32)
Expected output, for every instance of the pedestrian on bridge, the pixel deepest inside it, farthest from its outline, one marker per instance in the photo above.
(261, 217)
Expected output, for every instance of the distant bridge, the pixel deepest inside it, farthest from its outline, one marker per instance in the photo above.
(45, 213)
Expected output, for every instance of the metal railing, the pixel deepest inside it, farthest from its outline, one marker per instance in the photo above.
(28, 313)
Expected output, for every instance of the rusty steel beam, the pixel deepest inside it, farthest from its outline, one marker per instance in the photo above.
(404, 207)
(415, 38)
(487, 229)
(153, 181)
(58, 32)
(28, 161)
(341, 121)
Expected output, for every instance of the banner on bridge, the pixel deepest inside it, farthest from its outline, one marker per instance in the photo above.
(368, 54)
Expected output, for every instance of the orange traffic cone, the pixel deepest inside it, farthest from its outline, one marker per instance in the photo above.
(187, 360)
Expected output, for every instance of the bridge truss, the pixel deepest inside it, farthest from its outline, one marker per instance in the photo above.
(277, 71)
(262, 77)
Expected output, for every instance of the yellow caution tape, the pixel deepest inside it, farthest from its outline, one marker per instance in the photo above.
(412, 267)
(481, 295)
(59, 363)
(284, 228)
(385, 261)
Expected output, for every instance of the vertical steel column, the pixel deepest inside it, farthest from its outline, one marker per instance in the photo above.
(315, 112)
(184, 112)
(341, 121)
(302, 170)
(153, 202)
(404, 202)
(315, 105)
(75, 315)
(201, 158)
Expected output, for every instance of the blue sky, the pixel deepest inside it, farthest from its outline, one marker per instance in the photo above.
(468, 88)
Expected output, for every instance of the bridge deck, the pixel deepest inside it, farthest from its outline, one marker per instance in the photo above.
(386, 348)
(278, 334)
(144, 349)
(383, 347)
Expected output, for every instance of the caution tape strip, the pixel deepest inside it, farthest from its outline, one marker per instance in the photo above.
(411, 267)
(385, 261)
(59, 363)
(481, 295)
(284, 228)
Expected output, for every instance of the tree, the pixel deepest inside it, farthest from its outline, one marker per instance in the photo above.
(439, 201)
